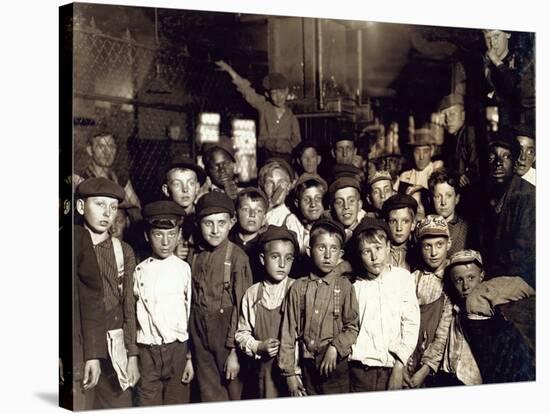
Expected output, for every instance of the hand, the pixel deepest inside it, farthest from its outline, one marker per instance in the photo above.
(329, 361)
(406, 379)
(269, 347)
(419, 377)
(464, 180)
(231, 366)
(279, 194)
(396, 378)
(92, 371)
(223, 65)
(133, 370)
(493, 57)
(61, 376)
(182, 250)
(295, 386)
(188, 372)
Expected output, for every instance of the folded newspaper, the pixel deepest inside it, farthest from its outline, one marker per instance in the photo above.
(119, 356)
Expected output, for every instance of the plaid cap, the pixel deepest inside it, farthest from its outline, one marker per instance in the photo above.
(451, 100)
(305, 177)
(432, 225)
(164, 209)
(214, 202)
(100, 187)
(465, 257)
(275, 80)
(279, 233)
(378, 176)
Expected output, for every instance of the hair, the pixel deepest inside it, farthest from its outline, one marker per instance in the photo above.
(264, 246)
(251, 196)
(163, 223)
(324, 229)
(425, 199)
(268, 169)
(409, 209)
(182, 169)
(371, 236)
(308, 184)
(92, 137)
(441, 176)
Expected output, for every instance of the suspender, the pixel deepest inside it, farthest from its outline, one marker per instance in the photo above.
(336, 310)
(226, 273)
(119, 258)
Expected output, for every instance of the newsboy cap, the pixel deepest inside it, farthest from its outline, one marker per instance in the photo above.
(164, 209)
(188, 164)
(279, 233)
(343, 182)
(369, 223)
(224, 143)
(421, 137)
(432, 225)
(397, 201)
(378, 176)
(100, 187)
(331, 224)
(275, 80)
(306, 177)
(214, 202)
(451, 100)
(465, 257)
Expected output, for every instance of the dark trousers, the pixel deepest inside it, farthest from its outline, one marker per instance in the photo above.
(364, 378)
(337, 382)
(161, 368)
(108, 393)
(71, 393)
(208, 335)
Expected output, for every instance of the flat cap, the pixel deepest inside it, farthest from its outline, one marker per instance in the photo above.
(330, 224)
(523, 130)
(254, 192)
(432, 225)
(283, 164)
(306, 177)
(378, 176)
(344, 135)
(224, 144)
(421, 137)
(466, 256)
(397, 201)
(164, 209)
(343, 182)
(279, 233)
(346, 170)
(214, 202)
(275, 80)
(451, 100)
(100, 187)
(505, 137)
(188, 164)
(369, 223)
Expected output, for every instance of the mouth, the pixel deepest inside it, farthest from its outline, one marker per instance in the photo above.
(103, 223)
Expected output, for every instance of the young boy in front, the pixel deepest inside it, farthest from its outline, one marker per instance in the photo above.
(321, 315)
(389, 317)
(220, 276)
(97, 201)
(162, 287)
(261, 313)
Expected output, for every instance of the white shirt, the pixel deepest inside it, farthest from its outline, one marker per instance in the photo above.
(280, 215)
(530, 176)
(389, 319)
(415, 177)
(163, 298)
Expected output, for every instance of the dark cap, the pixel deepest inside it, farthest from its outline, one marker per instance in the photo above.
(346, 170)
(100, 187)
(224, 144)
(397, 201)
(279, 233)
(421, 137)
(303, 145)
(254, 192)
(344, 135)
(369, 223)
(451, 100)
(523, 130)
(306, 177)
(378, 175)
(188, 164)
(214, 202)
(283, 164)
(329, 223)
(275, 80)
(343, 182)
(505, 137)
(164, 209)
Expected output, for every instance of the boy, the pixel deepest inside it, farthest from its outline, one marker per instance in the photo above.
(344, 150)
(162, 287)
(321, 314)
(345, 203)
(261, 312)
(221, 275)
(279, 129)
(400, 212)
(308, 157)
(524, 165)
(251, 206)
(389, 317)
(97, 201)
(219, 161)
(378, 189)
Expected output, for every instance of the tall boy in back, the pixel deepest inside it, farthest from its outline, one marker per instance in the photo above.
(220, 276)
(321, 314)
(162, 287)
(389, 318)
(261, 312)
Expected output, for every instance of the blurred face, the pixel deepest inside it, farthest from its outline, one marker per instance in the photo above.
(454, 118)
(374, 257)
(422, 156)
(421, 210)
(120, 224)
(278, 96)
(445, 200)
(310, 160)
(277, 186)
(380, 191)
(344, 152)
(221, 167)
(465, 277)
(99, 212)
(103, 150)
(163, 241)
(311, 203)
(497, 41)
(182, 186)
(277, 258)
(347, 203)
(434, 251)
(401, 223)
(215, 228)
(501, 164)
(527, 155)
(251, 215)
(326, 252)
(393, 165)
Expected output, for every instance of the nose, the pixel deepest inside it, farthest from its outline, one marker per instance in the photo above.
(107, 212)
(399, 226)
(432, 251)
(327, 254)
(252, 214)
(215, 228)
(523, 155)
(421, 156)
(443, 201)
(373, 256)
(164, 240)
(281, 262)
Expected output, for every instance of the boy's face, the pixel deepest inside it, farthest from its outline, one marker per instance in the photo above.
(251, 215)
(445, 200)
(103, 149)
(120, 224)
(401, 223)
(326, 252)
(422, 156)
(278, 96)
(454, 118)
(163, 241)
(434, 251)
(215, 228)
(380, 191)
(99, 212)
(465, 277)
(344, 151)
(393, 165)
(501, 163)
(277, 258)
(310, 160)
(182, 186)
(374, 257)
(421, 210)
(527, 155)
(497, 41)
(277, 186)
(347, 203)
(311, 203)
(221, 167)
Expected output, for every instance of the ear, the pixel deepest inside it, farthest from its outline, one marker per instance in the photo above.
(262, 259)
(146, 236)
(89, 149)
(368, 198)
(232, 222)
(341, 254)
(360, 204)
(80, 206)
(432, 150)
(449, 243)
(457, 199)
(297, 203)
(482, 275)
(308, 251)
(333, 153)
(165, 190)
(319, 159)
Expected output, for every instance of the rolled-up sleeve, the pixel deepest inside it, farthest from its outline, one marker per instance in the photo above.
(244, 337)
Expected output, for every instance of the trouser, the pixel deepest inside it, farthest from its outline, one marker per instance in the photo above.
(71, 393)
(443, 379)
(208, 335)
(108, 393)
(161, 368)
(337, 382)
(364, 378)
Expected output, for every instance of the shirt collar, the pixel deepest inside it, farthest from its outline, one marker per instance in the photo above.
(439, 274)
(327, 279)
